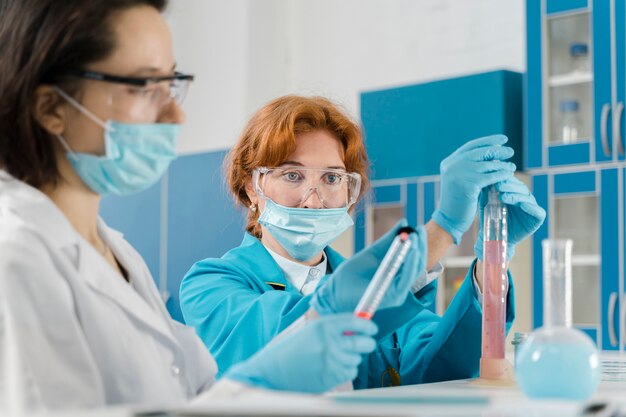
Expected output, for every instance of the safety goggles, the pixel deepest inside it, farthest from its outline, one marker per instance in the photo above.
(142, 98)
(292, 186)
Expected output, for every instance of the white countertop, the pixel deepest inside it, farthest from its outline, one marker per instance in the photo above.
(463, 398)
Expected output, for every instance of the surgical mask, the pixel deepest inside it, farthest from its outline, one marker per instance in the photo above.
(304, 232)
(136, 155)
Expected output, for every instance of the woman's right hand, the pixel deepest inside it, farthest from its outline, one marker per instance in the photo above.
(322, 355)
(342, 291)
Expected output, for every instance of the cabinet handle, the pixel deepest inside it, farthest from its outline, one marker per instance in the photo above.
(611, 321)
(617, 117)
(603, 130)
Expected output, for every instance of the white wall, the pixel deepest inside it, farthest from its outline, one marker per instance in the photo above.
(211, 41)
(246, 52)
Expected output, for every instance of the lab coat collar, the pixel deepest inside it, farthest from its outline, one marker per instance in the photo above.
(138, 298)
(36, 209)
(299, 274)
(252, 252)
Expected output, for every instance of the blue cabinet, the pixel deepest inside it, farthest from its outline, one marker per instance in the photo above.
(410, 129)
(579, 178)
(584, 205)
(575, 82)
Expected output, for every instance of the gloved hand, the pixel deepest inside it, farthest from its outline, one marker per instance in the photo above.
(314, 359)
(342, 291)
(474, 166)
(524, 215)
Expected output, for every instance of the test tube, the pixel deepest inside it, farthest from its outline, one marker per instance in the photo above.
(493, 365)
(385, 273)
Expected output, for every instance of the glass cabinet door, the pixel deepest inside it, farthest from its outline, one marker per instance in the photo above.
(576, 218)
(568, 95)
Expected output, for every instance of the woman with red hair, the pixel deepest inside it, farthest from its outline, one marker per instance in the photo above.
(299, 168)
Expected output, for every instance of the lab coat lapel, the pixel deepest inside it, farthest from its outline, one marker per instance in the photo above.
(100, 276)
(253, 253)
(37, 209)
(334, 258)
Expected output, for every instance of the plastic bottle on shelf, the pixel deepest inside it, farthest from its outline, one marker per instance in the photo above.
(580, 57)
(569, 121)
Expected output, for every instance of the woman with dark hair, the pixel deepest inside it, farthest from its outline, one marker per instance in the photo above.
(90, 105)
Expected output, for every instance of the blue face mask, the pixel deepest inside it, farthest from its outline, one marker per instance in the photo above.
(303, 232)
(136, 155)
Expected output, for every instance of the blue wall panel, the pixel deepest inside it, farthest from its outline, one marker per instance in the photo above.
(138, 218)
(203, 220)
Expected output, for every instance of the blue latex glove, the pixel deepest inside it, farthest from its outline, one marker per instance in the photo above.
(314, 359)
(524, 215)
(344, 288)
(474, 166)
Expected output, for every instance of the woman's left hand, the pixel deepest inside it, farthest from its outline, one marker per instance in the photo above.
(524, 215)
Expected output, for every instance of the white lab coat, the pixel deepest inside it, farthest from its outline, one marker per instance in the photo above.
(73, 333)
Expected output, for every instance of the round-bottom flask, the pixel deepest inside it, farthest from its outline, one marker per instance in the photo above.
(559, 363)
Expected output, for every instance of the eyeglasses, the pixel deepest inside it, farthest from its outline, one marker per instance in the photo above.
(142, 94)
(292, 186)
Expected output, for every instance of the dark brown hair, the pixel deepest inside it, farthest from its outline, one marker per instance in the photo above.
(40, 42)
(270, 137)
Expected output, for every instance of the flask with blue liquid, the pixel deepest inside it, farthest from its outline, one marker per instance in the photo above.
(558, 361)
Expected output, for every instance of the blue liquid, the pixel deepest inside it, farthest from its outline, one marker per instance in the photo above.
(558, 370)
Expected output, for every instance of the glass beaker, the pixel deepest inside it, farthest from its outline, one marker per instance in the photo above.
(558, 361)
(493, 365)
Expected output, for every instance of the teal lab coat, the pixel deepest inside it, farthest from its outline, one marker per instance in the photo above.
(239, 302)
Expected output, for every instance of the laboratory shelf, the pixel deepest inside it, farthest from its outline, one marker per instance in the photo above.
(572, 78)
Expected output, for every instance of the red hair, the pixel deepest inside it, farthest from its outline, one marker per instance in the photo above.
(270, 137)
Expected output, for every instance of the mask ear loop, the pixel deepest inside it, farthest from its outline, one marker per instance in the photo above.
(63, 142)
(82, 109)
